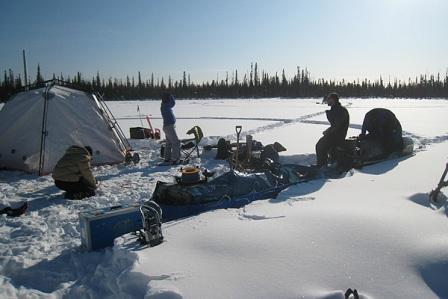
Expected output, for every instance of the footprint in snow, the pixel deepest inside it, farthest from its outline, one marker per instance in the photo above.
(172, 276)
(244, 216)
(291, 201)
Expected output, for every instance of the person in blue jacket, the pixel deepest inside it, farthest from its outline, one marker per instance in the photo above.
(172, 149)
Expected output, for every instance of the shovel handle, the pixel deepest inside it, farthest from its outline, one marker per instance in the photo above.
(238, 129)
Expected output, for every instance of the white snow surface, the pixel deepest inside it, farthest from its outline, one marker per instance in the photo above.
(373, 229)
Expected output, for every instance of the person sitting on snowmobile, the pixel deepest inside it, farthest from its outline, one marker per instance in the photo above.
(383, 127)
(333, 136)
(72, 173)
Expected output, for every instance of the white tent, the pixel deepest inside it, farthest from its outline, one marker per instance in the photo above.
(37, 126)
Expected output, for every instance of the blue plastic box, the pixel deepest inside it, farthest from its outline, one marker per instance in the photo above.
(100, 227)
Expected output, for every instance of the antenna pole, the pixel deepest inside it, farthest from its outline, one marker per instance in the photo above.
(24, 67)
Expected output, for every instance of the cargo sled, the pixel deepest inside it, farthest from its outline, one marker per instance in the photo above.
(356, 153)
(230, 190)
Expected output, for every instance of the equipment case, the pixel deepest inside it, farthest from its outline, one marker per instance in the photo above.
(100, 227)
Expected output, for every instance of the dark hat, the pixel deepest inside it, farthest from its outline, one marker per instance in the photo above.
(332, 95)
(89, 149)
(278, 147)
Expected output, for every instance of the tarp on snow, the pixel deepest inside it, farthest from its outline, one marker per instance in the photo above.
(230, 190)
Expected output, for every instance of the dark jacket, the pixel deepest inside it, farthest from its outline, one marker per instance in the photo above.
(73, 165)
(166, 108)
(339, 121)
(381, 122)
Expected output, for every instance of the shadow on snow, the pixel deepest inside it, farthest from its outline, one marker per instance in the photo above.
(79, 274)
(434, 275)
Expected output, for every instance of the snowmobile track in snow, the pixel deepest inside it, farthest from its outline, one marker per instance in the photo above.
(280, 123)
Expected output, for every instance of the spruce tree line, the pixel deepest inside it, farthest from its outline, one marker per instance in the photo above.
(255, 84)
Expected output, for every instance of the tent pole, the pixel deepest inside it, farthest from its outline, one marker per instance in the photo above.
(114, 122)
(44, 131)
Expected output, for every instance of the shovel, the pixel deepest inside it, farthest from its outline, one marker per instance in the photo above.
(442, 183)
(238, 132)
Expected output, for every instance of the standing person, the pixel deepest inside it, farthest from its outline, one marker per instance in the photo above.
(339, 120)
(384, 128)
(172, 149)
(72, 173)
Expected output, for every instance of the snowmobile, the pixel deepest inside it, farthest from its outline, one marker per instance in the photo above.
(357, 152)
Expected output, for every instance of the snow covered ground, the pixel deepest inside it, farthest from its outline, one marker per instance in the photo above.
(372, 230)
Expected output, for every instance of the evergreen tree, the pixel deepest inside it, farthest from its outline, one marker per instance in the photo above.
(251, 82)
(39, 77)
(11, 78)
(284, 80)
(18, 83)
(5, 80)
(139, 80)
(78, 78)
(256, 79)
(97, 80)
(184, 80)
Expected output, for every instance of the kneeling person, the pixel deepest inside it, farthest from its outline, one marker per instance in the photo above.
(72, 173)
(383, 127)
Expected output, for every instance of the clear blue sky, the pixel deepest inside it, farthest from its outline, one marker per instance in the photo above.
(334, 39)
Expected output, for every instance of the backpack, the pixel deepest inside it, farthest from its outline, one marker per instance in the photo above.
(355, 152)
(223, 149)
